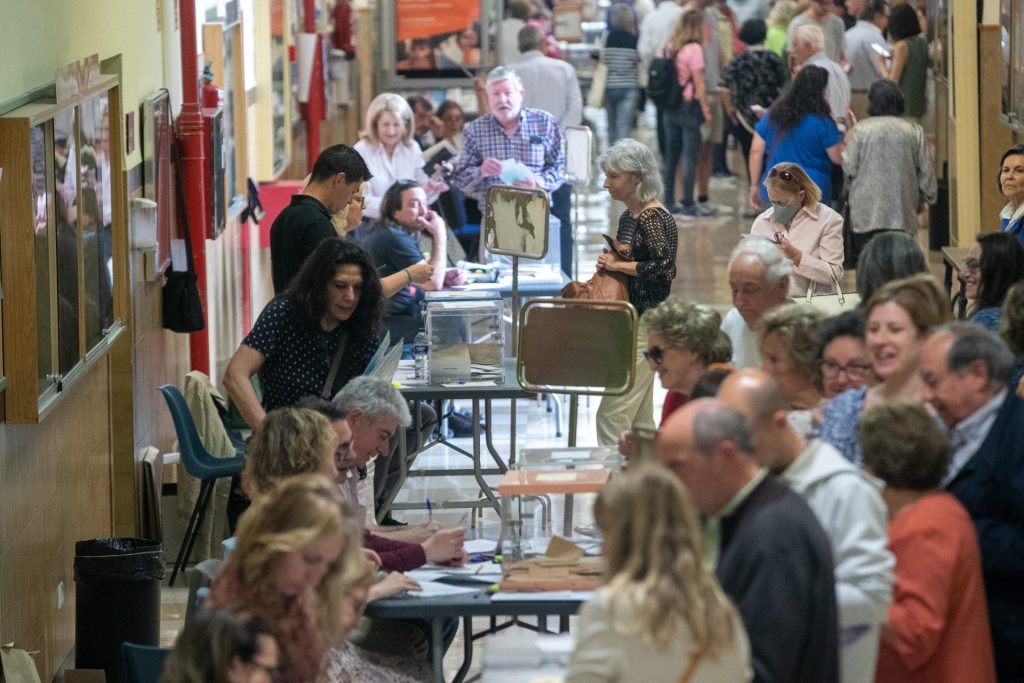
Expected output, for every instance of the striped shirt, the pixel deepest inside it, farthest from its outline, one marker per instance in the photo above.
(622, 59)
(537, 143)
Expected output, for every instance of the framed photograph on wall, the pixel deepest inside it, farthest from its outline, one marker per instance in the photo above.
(157, 138)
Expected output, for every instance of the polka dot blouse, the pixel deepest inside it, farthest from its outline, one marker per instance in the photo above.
(298, 358)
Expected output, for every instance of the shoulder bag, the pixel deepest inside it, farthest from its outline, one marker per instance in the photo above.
(830, 304)
(599, 79)
(181, 306)
(604, 286)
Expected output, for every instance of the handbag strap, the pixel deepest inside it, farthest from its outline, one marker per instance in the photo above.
(836, 284)
(179, 195)
(691, 668)
(325, 393)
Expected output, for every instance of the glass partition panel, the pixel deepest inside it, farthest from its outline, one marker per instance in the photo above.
(66, 218)
(94, 218)
(42, 198)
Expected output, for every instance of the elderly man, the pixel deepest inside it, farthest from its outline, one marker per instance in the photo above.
(301, 226)
(809, 50)
(966, 371)
(819, 13)
(549, 84)
(512, 131)
(866, 62)
(759, 279)
(849, 508)
(769, 552)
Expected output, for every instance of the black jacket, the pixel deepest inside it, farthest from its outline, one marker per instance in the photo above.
(991, 487)
(776, 565)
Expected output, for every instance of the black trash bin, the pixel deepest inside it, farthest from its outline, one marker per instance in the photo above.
(117, 594)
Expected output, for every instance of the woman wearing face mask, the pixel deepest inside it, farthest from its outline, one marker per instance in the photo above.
(807, 231)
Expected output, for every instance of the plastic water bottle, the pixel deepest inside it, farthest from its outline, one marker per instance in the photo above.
(419, 352)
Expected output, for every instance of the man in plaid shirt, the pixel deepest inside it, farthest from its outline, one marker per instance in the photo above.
(509, 131)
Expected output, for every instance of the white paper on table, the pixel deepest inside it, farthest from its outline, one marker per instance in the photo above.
(479, 545)
(479, 383)
(433, 589)
(552, 596)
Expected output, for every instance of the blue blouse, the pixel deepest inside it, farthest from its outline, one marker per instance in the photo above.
(840, 420)
(988, 318)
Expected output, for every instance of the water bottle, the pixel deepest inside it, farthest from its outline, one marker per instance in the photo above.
(419, 352)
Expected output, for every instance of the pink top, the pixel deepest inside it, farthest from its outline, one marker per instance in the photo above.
(689, 60)
(817, 231)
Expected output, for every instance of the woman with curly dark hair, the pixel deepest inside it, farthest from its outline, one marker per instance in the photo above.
(797, 128)
(312, 339)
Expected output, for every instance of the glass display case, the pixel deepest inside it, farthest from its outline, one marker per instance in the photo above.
(58, 227)
(467, 340)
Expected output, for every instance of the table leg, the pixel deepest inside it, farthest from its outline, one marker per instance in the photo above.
(467, 649)
(948, 279)
(437, 649)
(477, 455)
(489, 434)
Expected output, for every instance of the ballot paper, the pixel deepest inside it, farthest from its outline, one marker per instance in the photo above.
(479, 545)
(434, 589)
(513, 170)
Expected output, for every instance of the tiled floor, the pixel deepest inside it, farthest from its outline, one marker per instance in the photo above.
(704, 248)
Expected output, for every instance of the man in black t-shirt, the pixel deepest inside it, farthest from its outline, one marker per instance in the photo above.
(306, 221)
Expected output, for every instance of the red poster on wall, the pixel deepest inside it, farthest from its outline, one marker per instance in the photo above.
(436, 35)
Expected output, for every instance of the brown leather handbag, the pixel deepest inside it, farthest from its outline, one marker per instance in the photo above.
(604, 286)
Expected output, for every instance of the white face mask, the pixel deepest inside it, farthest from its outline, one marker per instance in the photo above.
(783, 213)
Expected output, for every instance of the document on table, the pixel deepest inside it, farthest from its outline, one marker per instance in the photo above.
(582, 596)
(484, 572)
(479, 545)
(433, 589)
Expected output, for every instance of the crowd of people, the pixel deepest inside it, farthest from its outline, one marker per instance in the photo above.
(839, 491)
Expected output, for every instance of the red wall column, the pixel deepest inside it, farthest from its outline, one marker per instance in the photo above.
(315, 106)
(194, 180)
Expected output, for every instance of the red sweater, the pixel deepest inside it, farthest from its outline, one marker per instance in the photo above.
(938, 621)
(395, 556)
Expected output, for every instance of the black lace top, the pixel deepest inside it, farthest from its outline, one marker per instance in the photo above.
(654, 236)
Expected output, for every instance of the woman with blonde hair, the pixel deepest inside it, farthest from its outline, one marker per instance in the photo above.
(683, 138)
(391, 154)
(900, 314)
(806, 230)
(778, 24)
(661, 616)
(297, 551)
(789, 353)
(292, 441)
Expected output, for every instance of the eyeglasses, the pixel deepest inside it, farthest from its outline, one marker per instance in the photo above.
(972, 265)
(361, 199)
(853, 370)
(654, 354)
(785, 175)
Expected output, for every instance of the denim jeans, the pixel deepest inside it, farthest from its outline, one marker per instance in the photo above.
(682, 142)
(621, 106)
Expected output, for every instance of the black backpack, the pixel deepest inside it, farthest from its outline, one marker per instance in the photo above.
(663, 83)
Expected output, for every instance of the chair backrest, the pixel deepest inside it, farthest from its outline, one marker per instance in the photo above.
(194, 456)
(143, 663)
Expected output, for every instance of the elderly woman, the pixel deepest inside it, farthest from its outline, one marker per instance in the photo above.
(622, 86)
(1011, 185)
(683, 339)
(843, 353)
(806, 229)
(789, 352)
(391, 153)
(312, 339)
(938, 627)
(899, 317)
(633, 178)
(994, 263)
(887, 156)
(888, 256)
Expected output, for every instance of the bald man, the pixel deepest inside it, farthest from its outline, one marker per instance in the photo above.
(768, 551)
(849, 508)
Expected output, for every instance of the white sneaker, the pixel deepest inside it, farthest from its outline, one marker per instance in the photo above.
(709, 208)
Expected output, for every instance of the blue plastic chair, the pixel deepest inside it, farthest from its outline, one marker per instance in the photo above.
(143, 663)
(199, 464)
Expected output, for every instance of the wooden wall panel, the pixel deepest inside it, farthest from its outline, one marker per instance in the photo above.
(55, 489)
(997, 135)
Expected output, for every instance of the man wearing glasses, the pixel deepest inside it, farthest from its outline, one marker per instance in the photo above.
(337, 175)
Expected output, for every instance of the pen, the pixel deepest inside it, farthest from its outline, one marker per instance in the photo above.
(430, 511)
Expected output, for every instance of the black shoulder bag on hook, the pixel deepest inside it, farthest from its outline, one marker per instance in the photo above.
(182, 307)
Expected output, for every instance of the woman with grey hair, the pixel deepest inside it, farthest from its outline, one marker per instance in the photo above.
(683, 341)
(789, 353)
(632, 177)
(622, 86)
(888, 256)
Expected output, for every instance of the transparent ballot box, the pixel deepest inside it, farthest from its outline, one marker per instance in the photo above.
(467, 340)
(531, 558)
